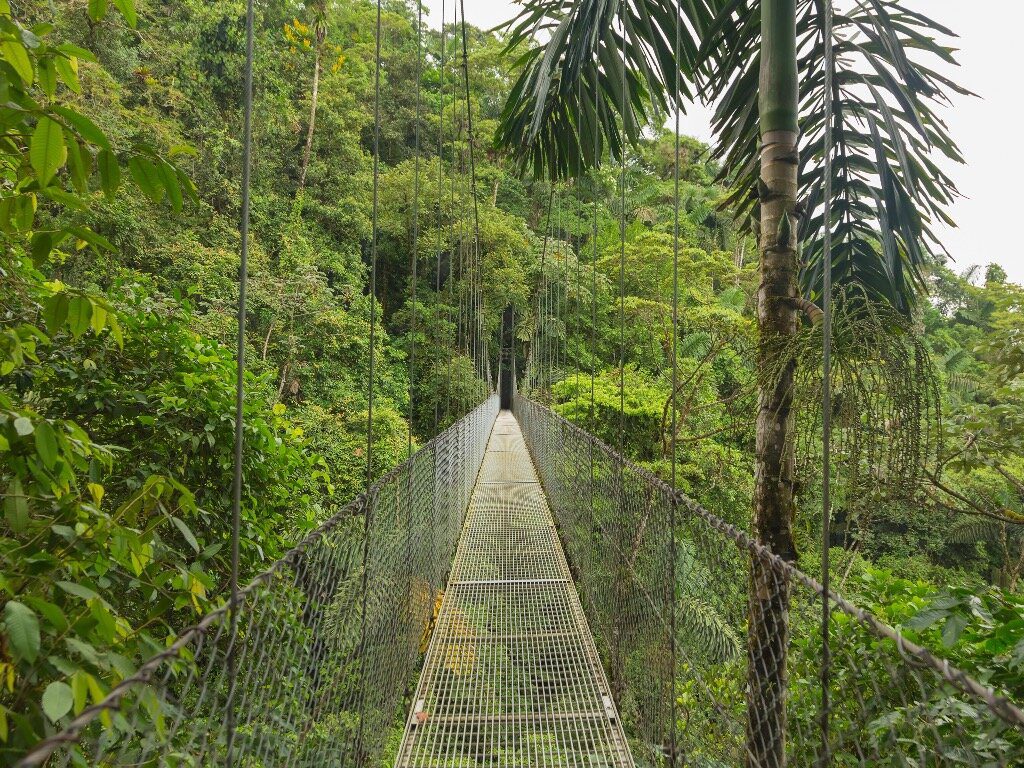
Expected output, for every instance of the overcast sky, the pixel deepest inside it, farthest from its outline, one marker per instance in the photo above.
(989, 219)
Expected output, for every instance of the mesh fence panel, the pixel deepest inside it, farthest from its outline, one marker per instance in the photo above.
(326, 643)
(739, 632)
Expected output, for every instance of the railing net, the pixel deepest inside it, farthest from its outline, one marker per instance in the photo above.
(706, 675)
(326, 643)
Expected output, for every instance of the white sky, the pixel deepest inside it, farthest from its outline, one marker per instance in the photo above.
(990, 218)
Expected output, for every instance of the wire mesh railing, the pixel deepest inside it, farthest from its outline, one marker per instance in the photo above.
(325, 643)
(713, 645)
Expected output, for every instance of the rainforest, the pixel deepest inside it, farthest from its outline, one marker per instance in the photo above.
(423, 216)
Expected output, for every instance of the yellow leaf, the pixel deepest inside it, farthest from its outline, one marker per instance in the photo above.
(96, 490)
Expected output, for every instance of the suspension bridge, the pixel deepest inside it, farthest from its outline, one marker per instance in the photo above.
(517, 593)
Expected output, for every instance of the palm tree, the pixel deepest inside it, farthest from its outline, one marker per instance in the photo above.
(319, 9)
(610, 67)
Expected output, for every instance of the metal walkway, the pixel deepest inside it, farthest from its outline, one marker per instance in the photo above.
(512, 676)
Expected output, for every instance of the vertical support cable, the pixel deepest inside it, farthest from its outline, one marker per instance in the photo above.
(243, 279)
(622, 248)
(440, 218)
(477, 351)
(369, 501)
(673, 747)
(826, 387)
(414, 258)
(373, 254)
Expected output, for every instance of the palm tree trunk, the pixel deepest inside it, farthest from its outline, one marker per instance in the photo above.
(770, 591)
(315, 95)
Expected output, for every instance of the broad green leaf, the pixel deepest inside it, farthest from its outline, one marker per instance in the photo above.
(47, 74)
(16, 506)
(115, 330)
(953, 628)
(186, 532)
(146, 175)
(52, 615)
(55, 311)
(110, 172)
(127, 9)
(22, 627)
(79, 315)
(23, 426)
(41, 246)
(57, 700)
(67, 69)
(46, 444)
(85, 127)
(97, 9)
(46, 150)
(169, 181)
(80, 690)
(78, 590)
(16, 55)
(78, 164)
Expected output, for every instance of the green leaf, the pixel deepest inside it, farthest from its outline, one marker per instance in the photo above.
(52, 615)
(85, 127)
(169, 180)
(953, 628)
(110, 172)
(80, 689)
(16, 55)
(145, 174)
(186, 532)
(58, 699)
(97, 9)
(79, 315)
(22, 626)
(78, 164)
(78, 590)
(55, 311)
(46, 150)
(127, 9)
(23, 426)
(40, 248)
(46, 444)
(67, 69)
(47, 77)
(16, 506)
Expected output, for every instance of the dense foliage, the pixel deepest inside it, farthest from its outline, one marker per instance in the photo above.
(118, 288)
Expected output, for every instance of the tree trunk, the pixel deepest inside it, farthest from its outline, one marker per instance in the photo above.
(770, 591)
(315, 95)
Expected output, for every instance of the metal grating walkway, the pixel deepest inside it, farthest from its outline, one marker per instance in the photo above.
(512, 677)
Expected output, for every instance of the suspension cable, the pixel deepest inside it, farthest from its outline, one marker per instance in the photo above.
(826, 384)
(414, 256)
(243, 280)
(373, 253)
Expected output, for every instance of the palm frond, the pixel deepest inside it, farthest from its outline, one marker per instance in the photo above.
(593, 70)
(888, 189)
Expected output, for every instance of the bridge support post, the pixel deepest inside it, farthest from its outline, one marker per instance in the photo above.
(507, 371)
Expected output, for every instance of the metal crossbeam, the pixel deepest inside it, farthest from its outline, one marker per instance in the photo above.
(512, 676)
